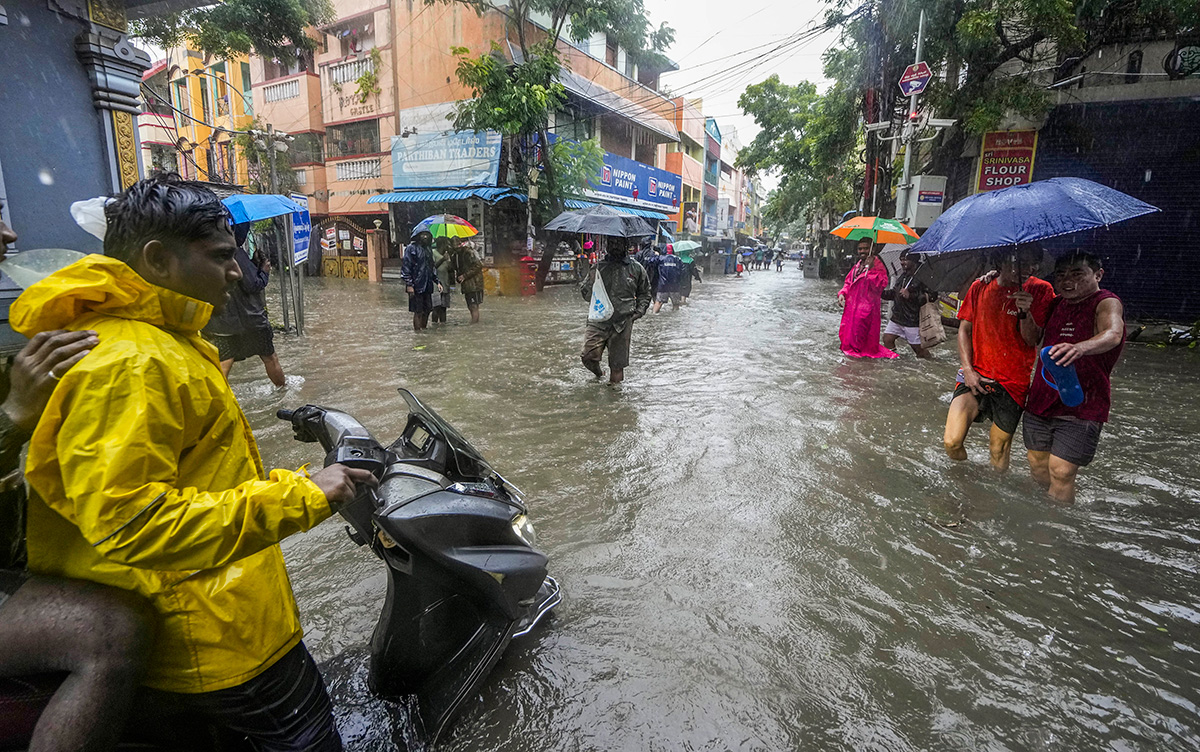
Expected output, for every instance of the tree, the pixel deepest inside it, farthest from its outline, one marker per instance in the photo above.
(517, 98)
(990, 58)
(270, 28)
(808, 138)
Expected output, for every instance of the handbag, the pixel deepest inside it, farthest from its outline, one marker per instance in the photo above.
(602, 307)
(932, 331)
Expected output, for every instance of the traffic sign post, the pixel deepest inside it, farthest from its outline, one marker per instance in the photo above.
(915, 78)
(913, 82)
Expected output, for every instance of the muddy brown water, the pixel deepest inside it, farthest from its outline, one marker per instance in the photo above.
(762, 544)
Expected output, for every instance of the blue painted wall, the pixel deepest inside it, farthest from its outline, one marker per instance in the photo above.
(51, 137)
(1150, 150)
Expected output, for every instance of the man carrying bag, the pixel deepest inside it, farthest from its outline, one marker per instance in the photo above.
(912, 306)
(619, 291)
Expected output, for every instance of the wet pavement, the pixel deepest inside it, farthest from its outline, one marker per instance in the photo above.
(762, 543)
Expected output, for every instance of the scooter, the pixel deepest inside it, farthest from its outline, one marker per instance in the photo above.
(464, 578)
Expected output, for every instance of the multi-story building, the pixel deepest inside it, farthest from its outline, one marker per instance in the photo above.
(685, 158)
(712, 177)
(374, 140)
(193, 109)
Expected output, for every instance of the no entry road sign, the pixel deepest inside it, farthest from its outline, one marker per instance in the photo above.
(915, 79)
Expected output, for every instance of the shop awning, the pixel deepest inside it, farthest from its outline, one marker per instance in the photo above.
(576, 204)
(487, 193)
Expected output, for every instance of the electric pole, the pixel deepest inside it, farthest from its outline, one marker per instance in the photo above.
(910, 132)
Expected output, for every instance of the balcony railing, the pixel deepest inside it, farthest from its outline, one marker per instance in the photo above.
(281, 91)
(344, 73)
(359, 169)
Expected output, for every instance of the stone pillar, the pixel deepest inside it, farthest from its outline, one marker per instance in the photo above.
(114, 69)
(375, 245)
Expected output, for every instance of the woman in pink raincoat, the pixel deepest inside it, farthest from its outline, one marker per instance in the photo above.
(861, 298)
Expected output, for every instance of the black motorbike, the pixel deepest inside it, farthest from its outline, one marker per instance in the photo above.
(464, 578)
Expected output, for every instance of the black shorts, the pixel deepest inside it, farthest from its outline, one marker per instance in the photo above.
(285, 707)
(474, 298)
(238, 347)
(1066, 438)
(420, 302)
(995, 405)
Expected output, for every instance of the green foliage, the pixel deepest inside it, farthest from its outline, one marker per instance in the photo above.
(368, 82)
(511, 99)
(576, 164)
(271, 28)
(808, 138)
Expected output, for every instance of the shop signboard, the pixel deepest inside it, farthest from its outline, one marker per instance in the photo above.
(445, 160)
(1006, 159)
(625, 181)
(301, 229)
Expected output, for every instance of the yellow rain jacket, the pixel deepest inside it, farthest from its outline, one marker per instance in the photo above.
(146, 477)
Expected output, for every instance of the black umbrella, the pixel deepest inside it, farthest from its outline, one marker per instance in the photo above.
(601, 220)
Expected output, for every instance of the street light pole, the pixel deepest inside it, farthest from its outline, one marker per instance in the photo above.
(909, 140)
(273, 182)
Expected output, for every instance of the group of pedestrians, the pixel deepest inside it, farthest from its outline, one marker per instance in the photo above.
(1005, 318)
(430, 272)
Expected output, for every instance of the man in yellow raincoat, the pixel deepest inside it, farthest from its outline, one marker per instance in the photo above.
(146, 475)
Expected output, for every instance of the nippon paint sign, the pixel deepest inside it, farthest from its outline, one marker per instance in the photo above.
(625, 181)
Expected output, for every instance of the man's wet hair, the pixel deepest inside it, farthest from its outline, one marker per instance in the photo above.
(165, 208)
(1080, 257)
(1000, 255)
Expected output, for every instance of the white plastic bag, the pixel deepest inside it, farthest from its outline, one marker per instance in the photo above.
(90, 216)
(602, 307)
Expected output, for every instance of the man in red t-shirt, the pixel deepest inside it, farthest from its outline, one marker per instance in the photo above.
(1084, 328)
(996, 359)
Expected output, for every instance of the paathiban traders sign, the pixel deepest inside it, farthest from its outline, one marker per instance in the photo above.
(1006, 159)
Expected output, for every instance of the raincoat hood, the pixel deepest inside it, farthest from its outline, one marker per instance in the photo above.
(108, 287)
(686, 257)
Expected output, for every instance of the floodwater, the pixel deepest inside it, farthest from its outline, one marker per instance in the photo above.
(762, 544)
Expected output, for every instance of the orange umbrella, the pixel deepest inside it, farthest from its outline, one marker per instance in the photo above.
(877, 229)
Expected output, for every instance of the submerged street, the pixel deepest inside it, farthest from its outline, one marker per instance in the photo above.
(762, 543)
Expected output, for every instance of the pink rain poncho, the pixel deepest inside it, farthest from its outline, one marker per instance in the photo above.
(860, 320)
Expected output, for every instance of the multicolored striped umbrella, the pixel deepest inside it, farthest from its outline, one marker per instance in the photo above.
(445, 226)
(877, 229)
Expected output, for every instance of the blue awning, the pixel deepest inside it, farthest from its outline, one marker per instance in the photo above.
(572, 203)
(251, 207)
(487, 193)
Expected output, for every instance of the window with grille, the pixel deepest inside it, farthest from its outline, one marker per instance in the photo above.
(352, 138)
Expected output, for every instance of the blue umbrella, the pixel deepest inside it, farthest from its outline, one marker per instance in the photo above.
(1006, 218)
(251, 207)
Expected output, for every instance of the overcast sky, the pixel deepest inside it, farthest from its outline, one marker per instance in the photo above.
(706, 31)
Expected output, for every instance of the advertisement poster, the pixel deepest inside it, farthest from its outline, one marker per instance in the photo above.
(358, 244)
(691, 218)
(445, 160)
(1006, 159)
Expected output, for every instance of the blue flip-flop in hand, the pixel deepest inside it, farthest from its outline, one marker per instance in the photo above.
(1063, 378)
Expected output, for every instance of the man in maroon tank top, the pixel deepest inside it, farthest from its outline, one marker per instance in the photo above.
(1085, 328)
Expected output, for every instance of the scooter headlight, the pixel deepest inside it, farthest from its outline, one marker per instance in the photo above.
(524, 529)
